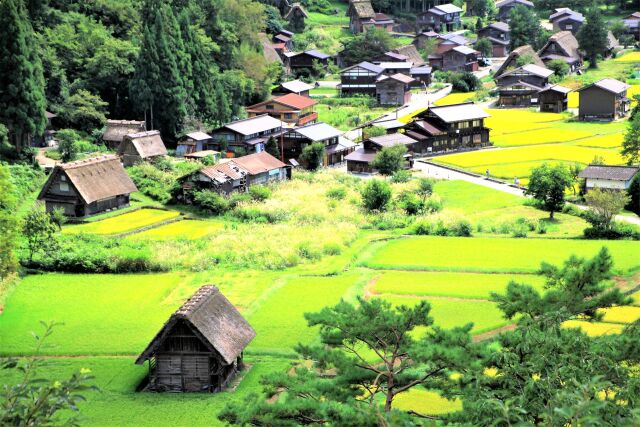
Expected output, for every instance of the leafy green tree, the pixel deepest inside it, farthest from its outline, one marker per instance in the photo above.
(390, 160)
(548, 184)
(8, 224)
(21, 79)
(39, 401)
(39, 231)
(559, 67)
(376, 195)
(367, 45)
(604, 206)
(274, 20)
(592, 36)
(574, 172)
(68, 144)
(631, 142)
(272, 148)
(313, 155)
(634, 195)
(524, 27)
(483, 8)
(83, 111)
(485, 47)
(373, 355)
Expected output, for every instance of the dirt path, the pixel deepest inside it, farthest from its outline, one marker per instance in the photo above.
(492, 334)
(44, 161)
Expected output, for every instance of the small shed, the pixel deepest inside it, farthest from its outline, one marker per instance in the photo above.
(394, 90)
(608, 177)
(117, 129)
(554, 99)
(199, 155)
(194, 142)
(200, 348)
(87, 187)
(138, 147)
(605, 99)
(262, 167)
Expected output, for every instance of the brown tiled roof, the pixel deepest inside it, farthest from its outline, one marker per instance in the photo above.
(612, 173)
(402, 78)
(258, 163)
(147, 144)
(117, 129)
(360, 155)
(296, 101)
(217, 321)
(94, 179)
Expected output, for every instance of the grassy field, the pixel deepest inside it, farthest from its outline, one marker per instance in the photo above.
(186, 229)
(425, 402)
(347, 117)
(624, 314)
(455, 98)
(500, 255)
(123, 223)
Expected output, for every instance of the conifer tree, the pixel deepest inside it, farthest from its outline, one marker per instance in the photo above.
(593, 36)
(21, 80)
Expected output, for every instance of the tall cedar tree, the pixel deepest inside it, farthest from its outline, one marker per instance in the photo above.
(524, 27)
(272, 148)
(157, 86)
(592, 36)
(21, 80)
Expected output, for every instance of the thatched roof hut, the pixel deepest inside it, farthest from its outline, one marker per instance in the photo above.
(117, 129)
(141, 146)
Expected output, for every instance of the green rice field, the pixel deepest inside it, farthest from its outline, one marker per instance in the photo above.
(123, 223)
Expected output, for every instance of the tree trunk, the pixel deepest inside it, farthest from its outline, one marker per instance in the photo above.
(551, 214)
(389, 399)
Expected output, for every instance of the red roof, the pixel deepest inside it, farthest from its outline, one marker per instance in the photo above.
(296, 101)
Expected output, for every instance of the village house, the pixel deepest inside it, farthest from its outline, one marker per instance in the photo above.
(272, 52)
(394, 89)
(421, 76)
(554, 99)
(565, 19)
(448, 128)
(202, 156)
(262, 168)
(87, 187)
(422, 39)
(411, 53)
(47, 138)
(292, 109)
(194, 142)
(524, 54)
(303, 62)
(391, 68)
(362, 17)
(224, 178)
(360, 160)
(461, 58)
(564, 46)
(616, 178)
(442, 18)
(294, 86)
(296, 16)
(247, 136)
(605, 99)
(285, 37)
(336, 146)
(360, 79)
(117, 129)
(200, 348)
(632, 24)
(443, 44)
(141, 147)
(498, 34)
(504, 8)
(520, 87)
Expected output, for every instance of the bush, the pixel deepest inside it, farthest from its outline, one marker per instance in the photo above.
(401, 176)
(461, 228)
(259, 193)
(331, 249)
(211, 202)
(437, 227)
(542, 227)
(410, 203)
(389, 221)
(519, 231)
(376, 195)
(337, 193)
(153, 182)
(433, 205)
(236, 199)
(255, 214)
(306, 251)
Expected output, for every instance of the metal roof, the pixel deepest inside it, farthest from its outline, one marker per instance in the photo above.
(459, 112)
(254, 125)
(610, 85)
(611, 173)
(391, 140)
(318, 131)
(296, 86)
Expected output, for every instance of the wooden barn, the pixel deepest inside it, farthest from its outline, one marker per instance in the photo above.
(200, 348)
(87, 187)
(138, 147)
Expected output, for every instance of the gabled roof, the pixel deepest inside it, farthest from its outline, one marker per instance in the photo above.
(612, 173)
(634, 15)
(556, 88)
(296, 86)
(147, 144)
(453, 38)
(503, 3)
(612, 41)
(399, 77)
(117, 129)
(446, 8)
(396, 56)
(565, 12)
(295, 7)
(531, 69)
(94, 179)
(575, 17)
(428, 127)
(458, 112)
(282, 38)
(610, 85)
(395, 65)
(253, 125)
(318, 131)
(224, 172)
(381, 18)
(566, 41)
(500, 26)
(317, 54)
(418, 71)
(362, 9)
(512, 59)
(361, 155)
(258, 163)
(429, 34)
(198, 136)
(214, 320)
(465, 50)
(367, 66)
(391, 140)
(411, 52)
(295, 101)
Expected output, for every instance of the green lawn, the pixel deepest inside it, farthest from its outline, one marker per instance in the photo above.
(460, 285)
(123, 223)
(493, 254)
(118, 404)
(456, 195)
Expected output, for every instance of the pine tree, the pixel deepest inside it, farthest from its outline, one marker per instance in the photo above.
(524, 27)
(593, 36)
(21, 80)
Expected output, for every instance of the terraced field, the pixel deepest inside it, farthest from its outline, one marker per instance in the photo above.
(123, 223)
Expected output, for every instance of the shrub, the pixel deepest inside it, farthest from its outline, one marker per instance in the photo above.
(153, 182)
(211, 202)
(437, 227)
(337, 193)
(237, 198)
(376, 195)
(390, 160)
(410, 203)
(259, 193)
(331, 249)
(389, 221)
(519, 231)
(542, 227)
(401, 176)
(461, 228)
(306, 251)
(68, 144)
(312, 155)
(433, 205)
(257, 215)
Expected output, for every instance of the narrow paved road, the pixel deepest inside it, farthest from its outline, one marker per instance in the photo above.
(444, 173)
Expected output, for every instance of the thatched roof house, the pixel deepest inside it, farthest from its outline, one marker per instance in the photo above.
(137, 147)
(87, 187)
(525, 52)
(117, 129)
(200, 347)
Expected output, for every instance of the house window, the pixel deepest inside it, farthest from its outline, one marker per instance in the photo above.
(569, 27)
(64, 186)
(288, 115)
(269, 107)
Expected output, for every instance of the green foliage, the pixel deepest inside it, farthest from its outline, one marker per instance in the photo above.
(559, 67)
(367, 45)
(22, 83)
(461, 82)
(83, 111)
(548, 184)
(272, 148)
(8, 224)
(401, 176)
(604, 206)
(37, 401)
(634, 195)
(211, 202)
(524, 26)
(376, 195)
(485, 47)
(313, 155)
(160, 184)
(390, 160)
(337, 193)
(372, 131)
(259, 193)
(410, 203)
(631, 143)
(68, 144)
(39, 232)
(592, 36)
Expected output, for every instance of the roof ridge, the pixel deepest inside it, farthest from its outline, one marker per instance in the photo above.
(143, 134)
(87, 162)
(196, 300)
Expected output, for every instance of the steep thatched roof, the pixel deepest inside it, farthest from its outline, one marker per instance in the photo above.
(412, 53)
(117, 129)
(296, 7)
(214, 319)
(512, 59)
(361, 9)
(94, 179)
(564, 40)
(146, 144)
